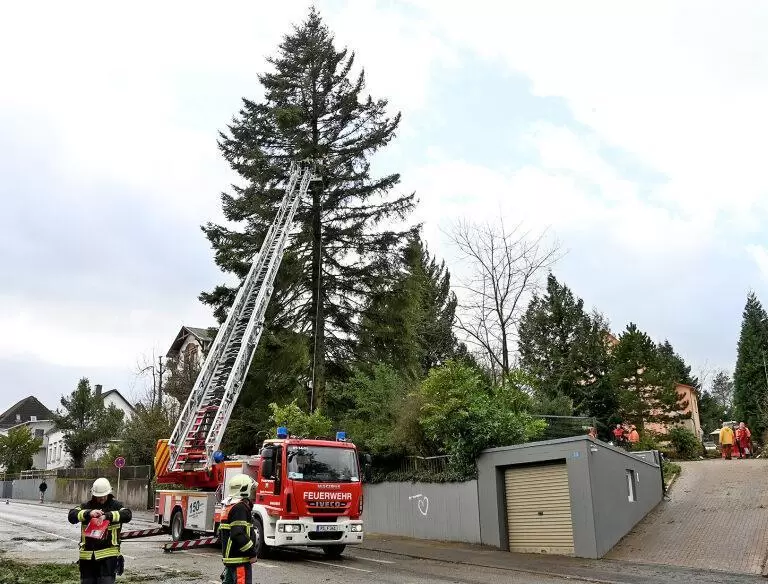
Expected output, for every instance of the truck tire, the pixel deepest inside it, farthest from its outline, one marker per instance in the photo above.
(262, 550)
(334, 551)
(178, 532)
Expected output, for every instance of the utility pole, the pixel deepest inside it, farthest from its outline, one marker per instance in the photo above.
(160, 381)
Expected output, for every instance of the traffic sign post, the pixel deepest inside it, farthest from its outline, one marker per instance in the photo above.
(119, 463)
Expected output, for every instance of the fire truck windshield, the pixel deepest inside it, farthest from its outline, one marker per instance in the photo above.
(322, 464)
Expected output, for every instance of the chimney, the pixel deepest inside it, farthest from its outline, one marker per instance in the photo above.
(98, 389)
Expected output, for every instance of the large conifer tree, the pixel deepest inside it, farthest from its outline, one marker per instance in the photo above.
(750, 384)
(408, 322)
(645, 382)
(566, 351)
(314, 107)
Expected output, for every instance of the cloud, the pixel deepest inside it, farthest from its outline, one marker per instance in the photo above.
(759, 254)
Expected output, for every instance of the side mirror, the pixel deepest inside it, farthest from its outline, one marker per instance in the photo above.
(367, 460)
(268, 463)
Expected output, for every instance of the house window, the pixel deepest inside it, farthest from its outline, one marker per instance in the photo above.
(33, 418)
(631, 492)
(18, 417)
(39, 433)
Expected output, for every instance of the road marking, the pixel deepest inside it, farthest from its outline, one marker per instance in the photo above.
(372, 560)
(339, 566)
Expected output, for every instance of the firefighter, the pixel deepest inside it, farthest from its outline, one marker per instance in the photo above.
(238, 538)
(100, 559)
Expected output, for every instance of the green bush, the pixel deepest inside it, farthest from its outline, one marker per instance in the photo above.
(463, 415)
(685, 443)
(647, 442)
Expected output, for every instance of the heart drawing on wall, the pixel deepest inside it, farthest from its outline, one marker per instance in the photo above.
(422, 502)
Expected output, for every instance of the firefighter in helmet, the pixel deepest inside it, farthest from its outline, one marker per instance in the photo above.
(238, 538)
(100, 521)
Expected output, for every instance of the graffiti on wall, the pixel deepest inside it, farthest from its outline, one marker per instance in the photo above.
(422, 503)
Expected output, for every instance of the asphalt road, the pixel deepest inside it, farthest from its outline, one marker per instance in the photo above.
(41, 533)
(37, 533)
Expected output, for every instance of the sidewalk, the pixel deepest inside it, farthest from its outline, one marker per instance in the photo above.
(601, 571)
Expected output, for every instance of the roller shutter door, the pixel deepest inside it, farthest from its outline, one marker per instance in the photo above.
(539, 509)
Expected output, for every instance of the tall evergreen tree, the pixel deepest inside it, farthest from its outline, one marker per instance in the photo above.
(565, 349)
(409, 322)
(750, 396)
(313, 108)
(646, 384)
(676, 365)
(722, 390)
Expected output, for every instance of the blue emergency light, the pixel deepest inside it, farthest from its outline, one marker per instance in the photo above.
(341, 436)
(219, 456)
(282, 432)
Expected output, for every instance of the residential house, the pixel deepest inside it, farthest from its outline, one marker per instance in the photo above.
(191, 342)
(28, 409)
(56, 454)
(29, 412)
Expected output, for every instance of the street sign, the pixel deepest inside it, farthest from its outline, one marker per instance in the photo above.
(120, 462)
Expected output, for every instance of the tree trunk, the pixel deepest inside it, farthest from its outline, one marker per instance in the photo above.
(318, 315)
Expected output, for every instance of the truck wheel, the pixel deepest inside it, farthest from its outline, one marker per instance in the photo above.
(262, 550)
(334, 551)
(178, 532)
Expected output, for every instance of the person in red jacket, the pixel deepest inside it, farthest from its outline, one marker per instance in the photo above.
(618, 435)
(744, 438)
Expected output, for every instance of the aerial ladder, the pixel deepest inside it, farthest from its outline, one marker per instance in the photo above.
(201, 425)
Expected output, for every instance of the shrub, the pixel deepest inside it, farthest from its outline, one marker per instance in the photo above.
(685, 443)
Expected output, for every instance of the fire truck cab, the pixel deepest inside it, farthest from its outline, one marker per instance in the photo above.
(309, 493)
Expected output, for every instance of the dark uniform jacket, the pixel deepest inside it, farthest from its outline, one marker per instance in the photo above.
(238, 539)
(109, 547)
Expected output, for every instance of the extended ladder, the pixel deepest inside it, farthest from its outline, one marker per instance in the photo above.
(202, 422)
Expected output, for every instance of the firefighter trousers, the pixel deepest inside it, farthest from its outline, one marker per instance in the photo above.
(237, 574)
(98, 571)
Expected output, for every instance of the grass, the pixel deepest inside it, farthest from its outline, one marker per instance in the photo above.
(670, 469)
(14, 572)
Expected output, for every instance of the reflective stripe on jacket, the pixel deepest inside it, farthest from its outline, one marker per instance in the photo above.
(238, 539)
(109, 547)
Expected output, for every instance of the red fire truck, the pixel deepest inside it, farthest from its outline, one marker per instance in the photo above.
(309, 491)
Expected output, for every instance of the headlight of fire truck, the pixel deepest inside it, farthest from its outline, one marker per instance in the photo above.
(289, 527)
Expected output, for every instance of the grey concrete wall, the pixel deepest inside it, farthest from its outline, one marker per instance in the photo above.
(134, 493)
(6, 489)
(29, 489)
(441, 511)
(615, 515)
(600, 511)
(491, 466)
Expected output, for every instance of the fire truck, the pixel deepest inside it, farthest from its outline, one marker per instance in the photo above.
(309, 490)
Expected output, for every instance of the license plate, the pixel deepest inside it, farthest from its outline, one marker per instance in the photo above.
(327, 528)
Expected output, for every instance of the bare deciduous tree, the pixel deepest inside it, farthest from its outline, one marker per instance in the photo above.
(506, 266)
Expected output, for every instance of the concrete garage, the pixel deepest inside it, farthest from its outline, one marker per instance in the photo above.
(573, 496)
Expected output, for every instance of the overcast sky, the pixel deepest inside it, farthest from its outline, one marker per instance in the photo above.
(634, 132)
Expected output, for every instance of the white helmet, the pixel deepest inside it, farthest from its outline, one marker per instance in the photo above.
(241, 486)
(101, 488)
